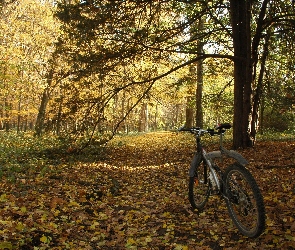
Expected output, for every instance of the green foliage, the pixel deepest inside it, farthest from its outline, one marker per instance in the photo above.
(274, 135)
(23, 153)
(278, 120)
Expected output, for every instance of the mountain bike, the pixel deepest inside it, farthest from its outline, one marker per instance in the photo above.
(236, 184)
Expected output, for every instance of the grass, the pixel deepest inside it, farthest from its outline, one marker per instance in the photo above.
(270, 135)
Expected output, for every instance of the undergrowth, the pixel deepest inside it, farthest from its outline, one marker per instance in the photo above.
(22, 153)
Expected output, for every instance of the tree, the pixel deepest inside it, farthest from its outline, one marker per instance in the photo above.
(149, 34)
(273, 18)
(240, 18)
(27, 45)
(199, 90)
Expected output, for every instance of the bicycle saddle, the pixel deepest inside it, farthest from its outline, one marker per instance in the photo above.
(223, 126)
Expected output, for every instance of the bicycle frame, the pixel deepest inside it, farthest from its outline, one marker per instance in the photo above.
(211, 156)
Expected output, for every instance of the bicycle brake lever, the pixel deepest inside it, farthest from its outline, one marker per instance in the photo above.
(181, 128)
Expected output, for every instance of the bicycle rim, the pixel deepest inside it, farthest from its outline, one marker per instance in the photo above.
(199, 187)
(244, 201)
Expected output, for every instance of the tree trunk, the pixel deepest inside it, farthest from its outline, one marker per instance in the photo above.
(2, 116)
(189, 112)
(259, 90)
(42, 109)
(18, 116)
(240, 17)
(41, 113)
(59, 114)
(143, 122)
(7, 116)
(199, 91)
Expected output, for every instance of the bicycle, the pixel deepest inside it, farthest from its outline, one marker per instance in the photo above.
(236, 184)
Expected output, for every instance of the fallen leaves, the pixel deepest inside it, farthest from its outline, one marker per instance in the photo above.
(137, 199)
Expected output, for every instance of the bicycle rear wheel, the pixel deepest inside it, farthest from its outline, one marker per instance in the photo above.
(199, 186)
(244, 201)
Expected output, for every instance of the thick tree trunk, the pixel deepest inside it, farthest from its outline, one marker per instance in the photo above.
(240, 15)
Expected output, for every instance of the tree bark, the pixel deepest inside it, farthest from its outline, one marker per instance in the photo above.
(189, 112)
(259, 90)
(143, 122)
(240, 18)
(199, 91)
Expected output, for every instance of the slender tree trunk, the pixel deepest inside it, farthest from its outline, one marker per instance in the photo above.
(123, 127)
(58, 120)
(2, 116)
(199, 90)
(41, 113)
(42, 108)
(177, 115)
(19, 116)
(247, 104)
(156, 117)
(259, 90)
(7, 122)
(189, 112)
(143, 122)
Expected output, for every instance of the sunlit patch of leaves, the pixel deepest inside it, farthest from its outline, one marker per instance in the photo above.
(136, 198)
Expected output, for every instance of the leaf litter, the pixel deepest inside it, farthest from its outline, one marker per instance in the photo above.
(136, 198)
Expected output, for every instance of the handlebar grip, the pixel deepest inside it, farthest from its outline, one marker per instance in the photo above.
(184, 129)
(187, 129)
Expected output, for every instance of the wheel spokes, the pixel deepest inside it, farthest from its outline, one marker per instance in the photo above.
(243, 202)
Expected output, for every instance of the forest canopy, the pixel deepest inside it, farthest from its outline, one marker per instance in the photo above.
(92, 68)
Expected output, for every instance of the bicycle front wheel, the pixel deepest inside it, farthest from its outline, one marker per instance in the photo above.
(199, 186)
(244, 201)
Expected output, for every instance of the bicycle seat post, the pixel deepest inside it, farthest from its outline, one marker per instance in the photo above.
(221, 139)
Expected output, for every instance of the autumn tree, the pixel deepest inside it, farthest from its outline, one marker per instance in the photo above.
(26, 47)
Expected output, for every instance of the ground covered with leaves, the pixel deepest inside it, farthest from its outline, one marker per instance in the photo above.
(133, 195)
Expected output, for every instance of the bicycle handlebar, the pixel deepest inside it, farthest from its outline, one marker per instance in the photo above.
(221, 128)
(198, 131)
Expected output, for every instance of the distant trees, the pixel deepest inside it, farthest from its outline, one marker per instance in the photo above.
(25, 41)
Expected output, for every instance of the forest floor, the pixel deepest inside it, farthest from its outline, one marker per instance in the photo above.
(134, 195)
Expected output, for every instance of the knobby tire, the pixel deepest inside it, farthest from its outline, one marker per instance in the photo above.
(244, 201)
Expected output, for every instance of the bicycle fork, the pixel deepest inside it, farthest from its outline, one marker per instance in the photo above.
(213, 177)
